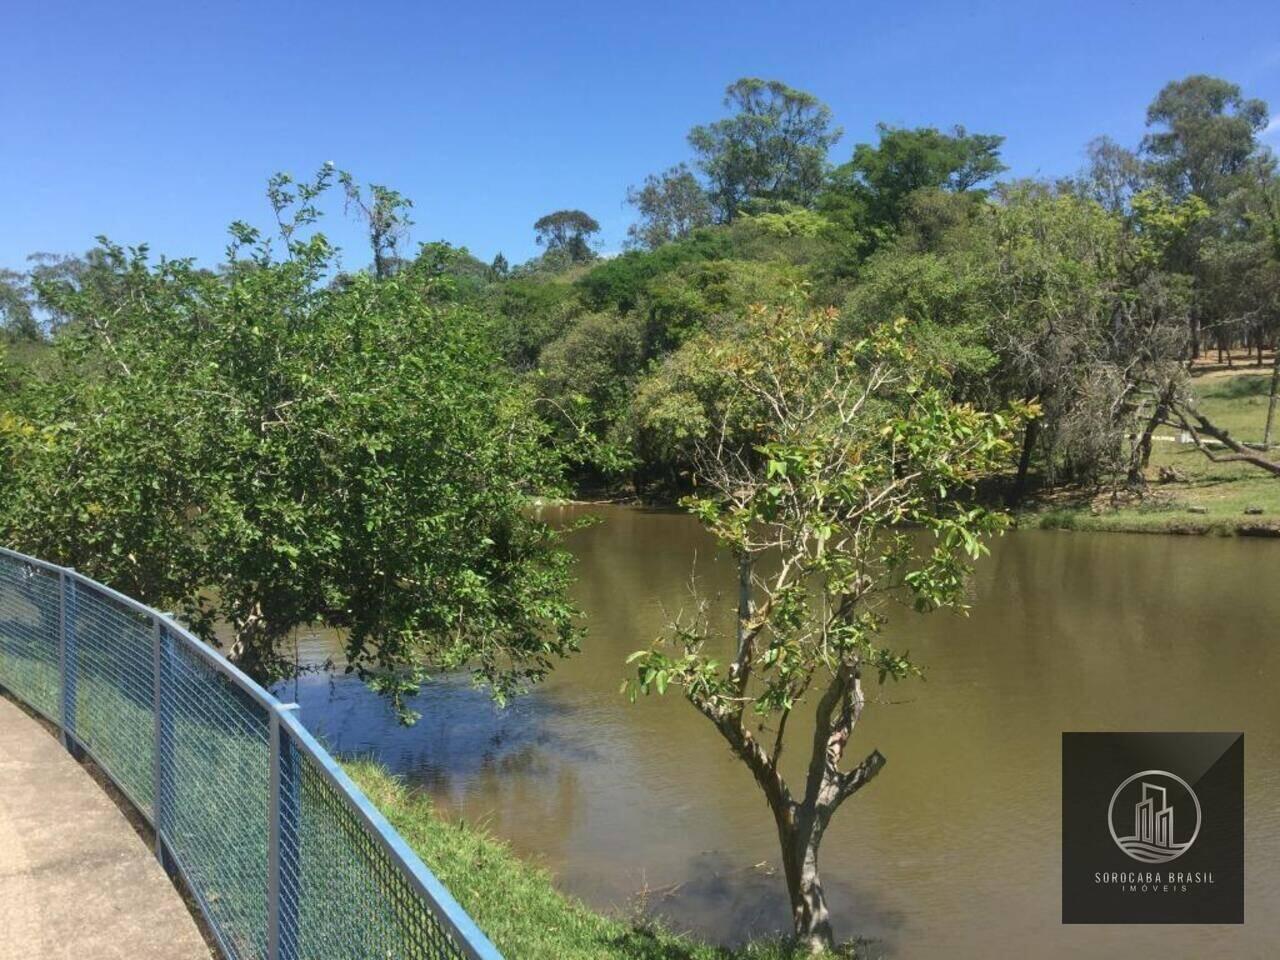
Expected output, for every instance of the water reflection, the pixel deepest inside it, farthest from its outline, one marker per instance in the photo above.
(953, 852)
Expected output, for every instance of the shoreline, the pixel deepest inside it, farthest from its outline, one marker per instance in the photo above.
(516, 903)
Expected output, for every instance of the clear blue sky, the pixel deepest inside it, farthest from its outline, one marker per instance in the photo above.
(161, 122)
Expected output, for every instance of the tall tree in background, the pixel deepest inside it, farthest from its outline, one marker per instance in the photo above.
(17, 313)
(567, 232)
(1203, 141)
(1204, 133)
(885, 175)
(671, 206)
(385, 214)
(1113, 175)
(773, 147)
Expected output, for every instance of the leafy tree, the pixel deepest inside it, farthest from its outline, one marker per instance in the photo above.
(457, 275)
(1203, 142)
(1204, 133)
(696, 296)
(946, 296)
(671, 206)
(530, 312)
(17, 315)
(773, 147)
(266, 450)
(1087, 320)
(620, 282)
(585, 379)
(1113, 176)
(905, 161)
(95, 274)
(815, 460)
(384, 212)
(567, 232)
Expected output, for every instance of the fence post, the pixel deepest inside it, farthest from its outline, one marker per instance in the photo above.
(161, 735)
(67, 657)
(282, 846)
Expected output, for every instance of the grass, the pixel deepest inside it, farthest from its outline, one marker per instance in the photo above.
(1210, 498)
(516, 904)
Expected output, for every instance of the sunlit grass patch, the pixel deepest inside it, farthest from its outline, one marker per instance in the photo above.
(1203, 496)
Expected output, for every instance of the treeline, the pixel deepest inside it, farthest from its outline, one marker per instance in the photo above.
(1090, 294)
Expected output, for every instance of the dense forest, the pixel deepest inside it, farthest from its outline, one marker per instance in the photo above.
(1088, 293)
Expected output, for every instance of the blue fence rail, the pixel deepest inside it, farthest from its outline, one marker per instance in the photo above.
(284, 855)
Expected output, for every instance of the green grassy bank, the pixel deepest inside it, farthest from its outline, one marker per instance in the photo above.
(516, 904)
(1187, 492)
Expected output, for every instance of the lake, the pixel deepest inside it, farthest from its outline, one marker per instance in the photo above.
(954, 851)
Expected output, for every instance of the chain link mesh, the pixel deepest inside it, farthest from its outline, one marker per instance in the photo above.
(343, 890)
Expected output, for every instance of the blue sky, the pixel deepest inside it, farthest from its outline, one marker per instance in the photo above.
(160, 123)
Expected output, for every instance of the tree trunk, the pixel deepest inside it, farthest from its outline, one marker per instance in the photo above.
(1275, 396)
(253, 646)
(1161, 413)
(799, 834)
(1024, 463)
(801, 824)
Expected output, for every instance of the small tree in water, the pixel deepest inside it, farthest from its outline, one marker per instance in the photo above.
(816, 461)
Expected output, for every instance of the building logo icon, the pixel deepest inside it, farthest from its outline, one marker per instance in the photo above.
(1154, 816)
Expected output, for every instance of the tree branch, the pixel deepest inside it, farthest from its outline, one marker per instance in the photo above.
(1239, 451)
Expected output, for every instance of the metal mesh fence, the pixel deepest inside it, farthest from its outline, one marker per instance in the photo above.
(285, 857)
(114, 688)
(214, 786)
(338, 857)
(29, 627)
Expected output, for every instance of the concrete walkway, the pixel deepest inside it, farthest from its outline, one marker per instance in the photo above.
(76, 881)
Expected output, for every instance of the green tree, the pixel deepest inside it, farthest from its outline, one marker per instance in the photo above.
(816, 460)
(671, 206)
(1113, 176)
(263, 449)
(384, 212)
(568, 233)
(1203, 142)
(530, 312)
(17, 309)
(1204, 132)
(904, 161)
(620, 282)
(584, 382)
(1088, 319)
(773, 147)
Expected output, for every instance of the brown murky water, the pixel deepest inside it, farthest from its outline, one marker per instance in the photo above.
(954, 851)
